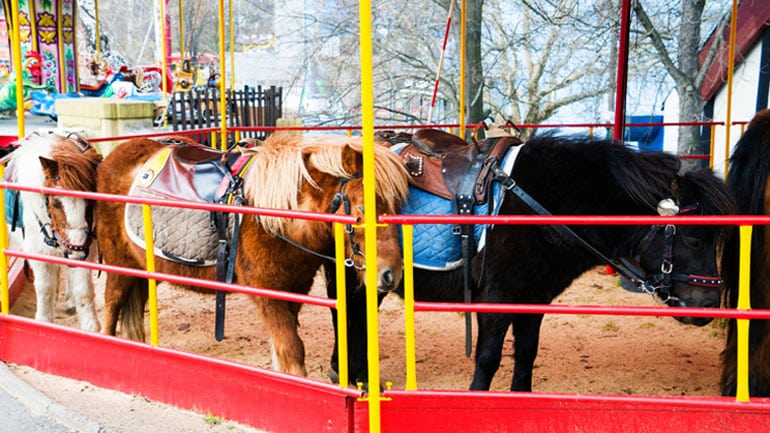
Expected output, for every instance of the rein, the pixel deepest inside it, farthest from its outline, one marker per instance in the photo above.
(340, 199)
(657, 284)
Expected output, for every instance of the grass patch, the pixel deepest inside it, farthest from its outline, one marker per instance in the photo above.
(212, 420)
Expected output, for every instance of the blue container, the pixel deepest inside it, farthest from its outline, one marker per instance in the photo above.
(650, 138)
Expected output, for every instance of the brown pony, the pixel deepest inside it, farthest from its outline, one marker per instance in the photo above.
(52, 224)
(748, 179)
(286, 172)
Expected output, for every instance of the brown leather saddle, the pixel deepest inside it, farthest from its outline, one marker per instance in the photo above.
(190, 171)
(448, 166)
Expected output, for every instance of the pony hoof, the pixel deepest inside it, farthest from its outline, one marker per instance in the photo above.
(334, 377)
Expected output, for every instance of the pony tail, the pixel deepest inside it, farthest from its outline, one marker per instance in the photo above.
(132, 314)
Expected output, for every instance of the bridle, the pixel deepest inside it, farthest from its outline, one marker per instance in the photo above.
(340, 199)
(54, 239)
(657, 285)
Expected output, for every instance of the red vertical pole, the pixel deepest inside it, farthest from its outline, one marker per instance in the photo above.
(622, 80)
(622, 77)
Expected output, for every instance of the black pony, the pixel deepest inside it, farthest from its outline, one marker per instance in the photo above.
(747, 178)
(574, 175)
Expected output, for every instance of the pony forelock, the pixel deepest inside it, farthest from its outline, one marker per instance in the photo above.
(280, 169)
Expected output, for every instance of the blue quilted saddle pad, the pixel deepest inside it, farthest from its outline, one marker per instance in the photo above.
(435, 246)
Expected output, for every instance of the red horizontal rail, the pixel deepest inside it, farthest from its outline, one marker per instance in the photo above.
(154, 134)
(591, 309)
(177, 279)
(713, 403)
(187, 204)
(578, 219)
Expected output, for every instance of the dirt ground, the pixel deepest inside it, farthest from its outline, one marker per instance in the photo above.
(578, 353)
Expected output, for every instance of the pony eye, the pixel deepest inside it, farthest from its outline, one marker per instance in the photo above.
(56, 204)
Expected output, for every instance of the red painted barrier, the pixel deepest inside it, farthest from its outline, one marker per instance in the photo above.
(271, 401)
(261, 398)
(6, 140)
(419, 411)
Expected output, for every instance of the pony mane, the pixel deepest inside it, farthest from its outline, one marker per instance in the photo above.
(645, 178)
(78, 170)
(747, 176)
(280, 169)
(77, 160)
(750, 165)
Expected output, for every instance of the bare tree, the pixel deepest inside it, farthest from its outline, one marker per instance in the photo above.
(677, 48)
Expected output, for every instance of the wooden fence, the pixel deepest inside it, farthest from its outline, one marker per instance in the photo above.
(199, 108)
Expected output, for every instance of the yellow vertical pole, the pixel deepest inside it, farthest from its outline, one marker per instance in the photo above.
(712, 143)
(222, 86)
(411, 357)
(730, 69)
(463, 15)
(60, 48)
(34, 46)
(16, 55)
(342, 306)
(96, 27)
(153, 286)
(370, 213)
(232, 47)
(164, 54)
(744, 303)
(181, 32)
(5, 297)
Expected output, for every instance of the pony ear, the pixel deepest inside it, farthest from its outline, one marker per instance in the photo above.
(50, 168)
(352, 160)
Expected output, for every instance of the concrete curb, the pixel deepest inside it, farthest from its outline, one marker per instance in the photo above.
(38, 403)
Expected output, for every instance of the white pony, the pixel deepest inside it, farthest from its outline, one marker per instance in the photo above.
(56, 225)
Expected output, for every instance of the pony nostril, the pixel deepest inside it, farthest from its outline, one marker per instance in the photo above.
(387, 278)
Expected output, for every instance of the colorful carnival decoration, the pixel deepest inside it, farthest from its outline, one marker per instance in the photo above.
(31, 73)
(48, 28)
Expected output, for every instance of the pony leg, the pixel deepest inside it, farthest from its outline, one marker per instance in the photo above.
(69, 300)
(489, 348)
(46, 282)
(80, 287)
(356, 323)
(526, 338)
(280, 319)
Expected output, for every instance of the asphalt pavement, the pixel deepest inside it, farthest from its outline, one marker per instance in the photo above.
(24, 409)
(27, 410)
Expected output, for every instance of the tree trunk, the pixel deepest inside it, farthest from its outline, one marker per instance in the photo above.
(690, 102)
(474, 79)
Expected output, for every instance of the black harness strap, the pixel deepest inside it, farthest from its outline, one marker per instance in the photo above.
(226, 250)
(656, 285)
(464, 201)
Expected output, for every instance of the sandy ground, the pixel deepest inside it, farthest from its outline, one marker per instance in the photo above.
(578, 353)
